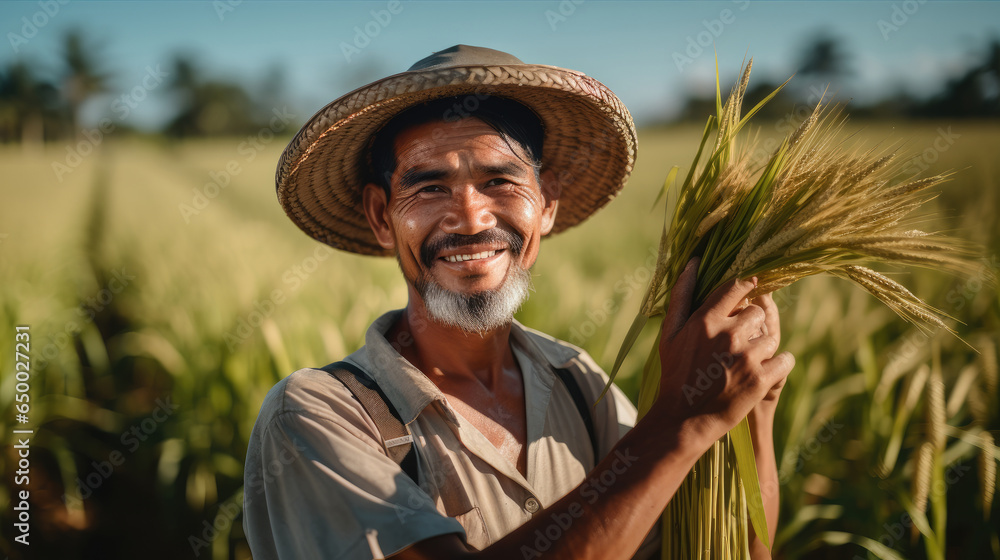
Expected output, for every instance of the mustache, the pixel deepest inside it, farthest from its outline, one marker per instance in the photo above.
(430, 250)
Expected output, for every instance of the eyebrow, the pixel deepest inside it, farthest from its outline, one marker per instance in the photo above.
(502, 169)
(413, 177)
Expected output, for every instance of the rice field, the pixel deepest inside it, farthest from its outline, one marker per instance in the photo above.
(166, 292)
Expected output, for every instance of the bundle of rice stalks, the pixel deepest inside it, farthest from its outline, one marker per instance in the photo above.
(815, 205)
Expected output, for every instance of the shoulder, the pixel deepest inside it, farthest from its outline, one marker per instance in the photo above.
(318, 397)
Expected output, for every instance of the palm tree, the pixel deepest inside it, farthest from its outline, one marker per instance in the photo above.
(206, 107)
(83, 77)
(26, 103)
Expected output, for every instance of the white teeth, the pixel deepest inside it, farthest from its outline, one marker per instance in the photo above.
(460, 258)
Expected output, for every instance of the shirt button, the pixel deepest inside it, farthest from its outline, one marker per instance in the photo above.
(532, 505)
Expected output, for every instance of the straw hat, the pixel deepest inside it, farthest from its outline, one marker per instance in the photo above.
(589, 141)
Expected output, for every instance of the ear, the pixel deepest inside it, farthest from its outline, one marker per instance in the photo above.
(551, 191)
(376, 210)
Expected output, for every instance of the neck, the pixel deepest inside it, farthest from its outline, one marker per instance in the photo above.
(438, 349)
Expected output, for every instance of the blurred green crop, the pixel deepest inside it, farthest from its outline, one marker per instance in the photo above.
(166, 294)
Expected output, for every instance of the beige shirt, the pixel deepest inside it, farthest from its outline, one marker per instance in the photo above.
(319, 485)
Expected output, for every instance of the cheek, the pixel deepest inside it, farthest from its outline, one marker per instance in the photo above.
(412, 226)
(526, 211)
(526, 218)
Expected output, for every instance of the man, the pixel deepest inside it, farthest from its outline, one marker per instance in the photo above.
(459, 167)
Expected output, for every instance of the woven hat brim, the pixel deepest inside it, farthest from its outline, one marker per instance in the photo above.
(590, 144)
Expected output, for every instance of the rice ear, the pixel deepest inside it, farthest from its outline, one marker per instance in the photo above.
(987, 472)
(921, 482)
(815, 205)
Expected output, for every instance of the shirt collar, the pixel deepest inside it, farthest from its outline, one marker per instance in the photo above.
(557, 353)
(406, 387)
(410, 391)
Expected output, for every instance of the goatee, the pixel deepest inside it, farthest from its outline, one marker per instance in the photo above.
(480, 312)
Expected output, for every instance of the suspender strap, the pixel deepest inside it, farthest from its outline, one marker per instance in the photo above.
(581, 405)
(396, 439)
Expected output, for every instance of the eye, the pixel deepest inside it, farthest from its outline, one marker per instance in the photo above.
(431, 189)
(497, 181)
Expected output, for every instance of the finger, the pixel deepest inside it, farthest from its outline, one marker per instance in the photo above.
(726, 297)
(679, 308)
(776, 369)
(750, 323)
(772, 320)
(761, 348)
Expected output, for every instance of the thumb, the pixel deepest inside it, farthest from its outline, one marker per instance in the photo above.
(681, 296)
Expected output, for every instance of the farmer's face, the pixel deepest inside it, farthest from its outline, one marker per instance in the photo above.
(466, 206)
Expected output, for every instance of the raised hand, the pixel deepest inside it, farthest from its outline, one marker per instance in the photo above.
(719, 362)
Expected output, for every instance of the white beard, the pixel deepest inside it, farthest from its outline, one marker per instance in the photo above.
(481, 312)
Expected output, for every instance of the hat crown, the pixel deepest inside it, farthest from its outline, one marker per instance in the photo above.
(464, 55)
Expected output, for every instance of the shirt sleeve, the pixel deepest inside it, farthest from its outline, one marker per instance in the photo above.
(317, 483)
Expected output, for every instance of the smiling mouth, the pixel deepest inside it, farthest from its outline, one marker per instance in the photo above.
(456, 248)
(471, 256)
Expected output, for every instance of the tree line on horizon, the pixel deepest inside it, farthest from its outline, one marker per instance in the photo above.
(971, 93)
(36, 108)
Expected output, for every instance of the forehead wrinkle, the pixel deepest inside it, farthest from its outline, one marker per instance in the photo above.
(458, 152)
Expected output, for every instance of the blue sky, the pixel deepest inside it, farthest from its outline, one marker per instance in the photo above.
(649, 53)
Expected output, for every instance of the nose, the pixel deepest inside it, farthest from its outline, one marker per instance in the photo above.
(469, 212)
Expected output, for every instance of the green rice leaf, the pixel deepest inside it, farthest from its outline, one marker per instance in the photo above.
(920, 521)
(668, 184)
(758, 106)
(746, 465)
(650, 388)
(837, 538)
(633, 334)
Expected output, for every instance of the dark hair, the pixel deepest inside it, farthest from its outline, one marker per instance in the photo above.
(513, 122)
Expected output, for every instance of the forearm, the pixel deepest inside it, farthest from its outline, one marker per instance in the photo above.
(761, 428)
